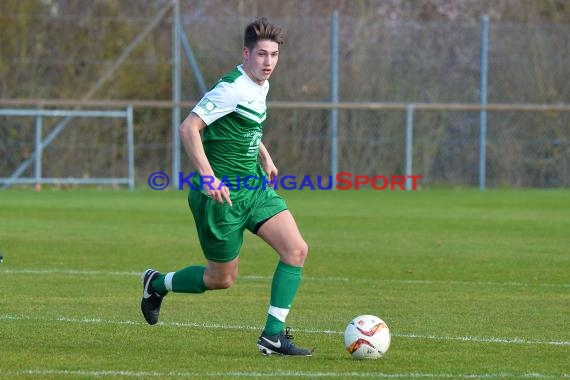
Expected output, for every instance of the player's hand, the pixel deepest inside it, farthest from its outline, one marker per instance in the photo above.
(218, 191)
(271, 170)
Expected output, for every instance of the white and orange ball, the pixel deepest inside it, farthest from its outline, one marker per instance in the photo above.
(367, 337)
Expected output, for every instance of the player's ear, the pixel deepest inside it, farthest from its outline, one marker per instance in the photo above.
(245, 53)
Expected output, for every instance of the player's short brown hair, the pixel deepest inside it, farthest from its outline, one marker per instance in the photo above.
(262, 29)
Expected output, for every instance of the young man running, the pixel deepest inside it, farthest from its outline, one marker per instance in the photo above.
(231, 192)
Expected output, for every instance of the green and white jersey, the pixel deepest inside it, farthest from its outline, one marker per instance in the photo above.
(234, 111)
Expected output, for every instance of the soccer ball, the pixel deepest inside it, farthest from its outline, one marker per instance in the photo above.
(367, 337)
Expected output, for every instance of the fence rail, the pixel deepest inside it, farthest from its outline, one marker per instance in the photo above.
(316, 105)
(558, 153)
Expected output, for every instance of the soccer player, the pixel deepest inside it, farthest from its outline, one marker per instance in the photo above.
(232, 192)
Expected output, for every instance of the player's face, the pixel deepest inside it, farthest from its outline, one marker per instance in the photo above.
(260, 61)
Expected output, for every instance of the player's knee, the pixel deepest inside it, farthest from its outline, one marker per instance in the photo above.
(215, 280)
(303, 250)
(223, 282)
(298, 255)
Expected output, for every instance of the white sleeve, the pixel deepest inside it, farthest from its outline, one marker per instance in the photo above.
(216, 103)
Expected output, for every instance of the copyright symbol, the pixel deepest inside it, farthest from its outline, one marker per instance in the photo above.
(158, 181)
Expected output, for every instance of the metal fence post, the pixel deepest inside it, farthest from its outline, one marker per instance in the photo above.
(483, 102)
(38, 163)
(192, 61)
(409, 143)
(334, 97)
(176, 73)
(131, 147)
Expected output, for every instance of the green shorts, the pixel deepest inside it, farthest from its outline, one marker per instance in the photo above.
(221, 227)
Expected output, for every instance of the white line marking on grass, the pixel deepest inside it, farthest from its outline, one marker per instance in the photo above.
(302, 374)
(486, 340)
(471, 339)
(305, 278)
(70, 272)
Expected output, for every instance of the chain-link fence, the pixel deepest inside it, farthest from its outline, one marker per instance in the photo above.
(64, 53)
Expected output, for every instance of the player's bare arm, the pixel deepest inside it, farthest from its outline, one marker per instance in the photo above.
(192, 141)
(267, 163)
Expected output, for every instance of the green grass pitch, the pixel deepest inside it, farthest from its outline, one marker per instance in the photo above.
(472, 285)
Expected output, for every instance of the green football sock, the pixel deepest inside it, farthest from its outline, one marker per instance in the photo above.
(286, 281)
(158, 285)
(273, 325)
(187, 280)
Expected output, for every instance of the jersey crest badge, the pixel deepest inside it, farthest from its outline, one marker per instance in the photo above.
(207, 105)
